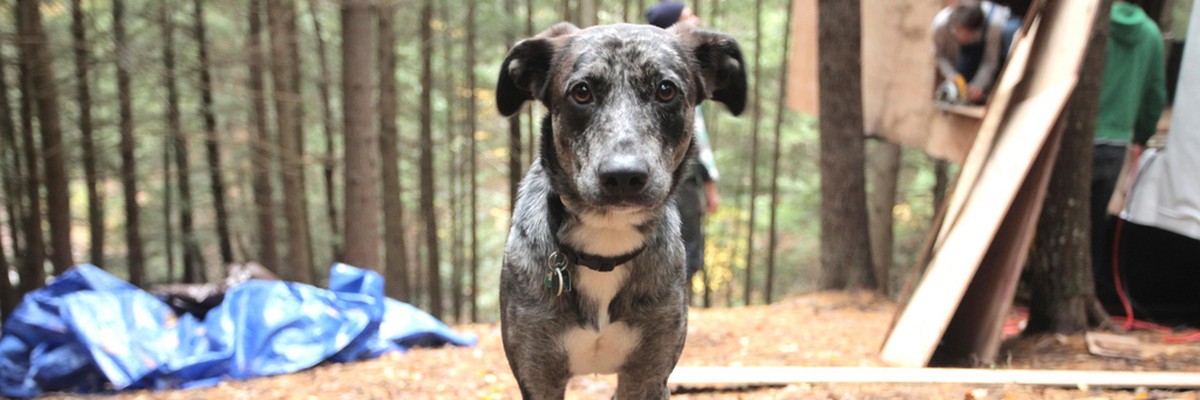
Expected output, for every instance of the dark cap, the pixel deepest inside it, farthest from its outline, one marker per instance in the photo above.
(664, 14)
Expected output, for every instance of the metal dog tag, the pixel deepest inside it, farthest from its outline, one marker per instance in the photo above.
(558, 278)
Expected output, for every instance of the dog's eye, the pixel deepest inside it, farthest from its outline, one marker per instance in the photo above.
(666, 91)
(581, 93)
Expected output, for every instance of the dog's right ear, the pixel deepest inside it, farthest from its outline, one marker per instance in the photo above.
(527, 66)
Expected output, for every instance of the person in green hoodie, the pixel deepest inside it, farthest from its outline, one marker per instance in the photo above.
(1132, 97)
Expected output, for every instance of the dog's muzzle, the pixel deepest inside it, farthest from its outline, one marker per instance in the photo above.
(623, 180)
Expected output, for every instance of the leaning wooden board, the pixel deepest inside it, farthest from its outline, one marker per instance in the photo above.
(985, 197)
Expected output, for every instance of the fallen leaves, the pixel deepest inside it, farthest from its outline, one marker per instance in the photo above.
(820, 329)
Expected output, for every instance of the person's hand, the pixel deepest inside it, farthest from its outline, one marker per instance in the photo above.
(710, 194)
(974, 93)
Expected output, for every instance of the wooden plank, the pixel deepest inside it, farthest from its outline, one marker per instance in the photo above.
(709, 376)
(951, 136)
(976, 330)
(803, 68)
(925, 318)
(898, 71)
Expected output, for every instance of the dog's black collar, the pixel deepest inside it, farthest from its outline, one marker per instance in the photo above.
(598, 263)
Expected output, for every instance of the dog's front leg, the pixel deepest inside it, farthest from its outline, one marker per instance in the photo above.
(542, 375)
(630, 387)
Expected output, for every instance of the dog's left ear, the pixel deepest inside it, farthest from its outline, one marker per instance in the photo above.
(527, 67)
(722, 73)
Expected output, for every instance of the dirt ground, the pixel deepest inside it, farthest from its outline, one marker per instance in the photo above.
(821, 329)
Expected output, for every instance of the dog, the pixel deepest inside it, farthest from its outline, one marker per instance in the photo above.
(593, 279)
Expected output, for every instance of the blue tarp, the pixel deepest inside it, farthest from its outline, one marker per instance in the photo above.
(89, 331)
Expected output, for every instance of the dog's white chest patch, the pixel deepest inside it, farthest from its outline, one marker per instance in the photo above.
(610, 235)
(600, 351)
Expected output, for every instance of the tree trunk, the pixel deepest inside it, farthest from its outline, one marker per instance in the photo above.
(264, 205)
(452, 169)
(530, 121)
(8, 146)
(281, 15)
(327, 123)
(587, 13)
(941, 180)
(780, 112)
(193, 266)
(748, 291)
(396, 250)
(212, 150)
(845, 247)
(884, 168)
(472, 168)
(1060, 264)
(84, 97)
(514, 122)
(433, 276)
(33, 270)
(9, 157)
(35, 49)
(8, 299)
(361, 137)
(133, 236)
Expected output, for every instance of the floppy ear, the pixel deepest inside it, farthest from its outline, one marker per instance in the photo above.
(527, 66)
(721, 73)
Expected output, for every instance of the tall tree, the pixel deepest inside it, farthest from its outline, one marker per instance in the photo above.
(514, 122)
(10, 150)
(883, 168)
(192, 263)
(453, 169)
(264, 205)
(845, 247)
(327, 124)
(35, 49)
(281, 15)
(756, 116)
(212, 150)
(780, 113)
(135, 257)
(8, 146)
(587, 13)
(361, 137)
(33, 271)
(433, 276)
(473, 169)
(8, 297)
(1060, 263)
(84, 97)
(396, 250)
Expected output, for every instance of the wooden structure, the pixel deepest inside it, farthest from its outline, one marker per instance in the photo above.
(958, 308)
(898, 77)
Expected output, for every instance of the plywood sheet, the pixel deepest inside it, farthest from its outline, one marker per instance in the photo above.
(803, 85)
(898, 75)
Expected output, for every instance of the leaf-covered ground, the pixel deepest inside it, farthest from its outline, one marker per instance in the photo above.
(822, 329)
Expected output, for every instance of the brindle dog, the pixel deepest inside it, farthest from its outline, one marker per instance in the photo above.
(593, 278)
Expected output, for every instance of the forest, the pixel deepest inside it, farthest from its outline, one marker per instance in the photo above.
(164, 141)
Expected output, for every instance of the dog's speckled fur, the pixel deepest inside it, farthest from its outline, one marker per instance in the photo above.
(631, 321)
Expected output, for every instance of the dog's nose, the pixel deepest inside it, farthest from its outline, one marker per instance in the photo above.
(623, 176)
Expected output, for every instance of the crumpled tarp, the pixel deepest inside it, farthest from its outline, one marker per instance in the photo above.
(89, 331)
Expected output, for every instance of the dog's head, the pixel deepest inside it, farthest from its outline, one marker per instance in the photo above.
(621, 101)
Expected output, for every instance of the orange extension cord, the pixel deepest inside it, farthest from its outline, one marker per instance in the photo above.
(1127, 321)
